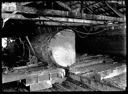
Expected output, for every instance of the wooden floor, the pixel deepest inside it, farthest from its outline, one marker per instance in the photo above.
(117, 83)
(88, 78)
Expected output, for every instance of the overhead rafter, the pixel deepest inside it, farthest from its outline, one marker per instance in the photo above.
(93, 4)
(114, 10)
(74, 3)
(47, 12)
(120, 2)
(54, 19)
(63, 5)
(99, 8)
(76, 6)
(25, 3)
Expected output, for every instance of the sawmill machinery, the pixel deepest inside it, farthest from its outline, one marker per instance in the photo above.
(40, 44)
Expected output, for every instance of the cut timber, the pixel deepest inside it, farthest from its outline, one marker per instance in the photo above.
(99, 67)
(38, 86)
(119, 81)
(56, 47)
(113, 72)
(93, 84)
(32, 72)
(86, 63)
(31, 80)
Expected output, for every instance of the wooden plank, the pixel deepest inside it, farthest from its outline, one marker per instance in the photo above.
(89, 63)
(117, 81)
(80, 84)
(93, 79)
(39, 86)
(28, 72)
(59, 87)
(23, 67)
(25, 3)
(96, 67)
(43, 77)
(113, 72)
(31, 80)
(63, 5)
(14, 76)
(57, 80)
(75, 87)
(96, 85)
(60, 24)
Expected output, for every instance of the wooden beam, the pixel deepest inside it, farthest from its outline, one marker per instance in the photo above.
(110, 25)
(24, 9)
(93, 83)
(114, 10)
(28, 72)
(93, 4)
(83, 16)
(63, 5)
(76, 6)
(119, 2)
(63, 24)
(54, 19)
(115, 72)
(25, 3)
(42, 85)
(9, 7)
(30, 10)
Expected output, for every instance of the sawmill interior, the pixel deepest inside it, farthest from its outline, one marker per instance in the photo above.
(63, 46)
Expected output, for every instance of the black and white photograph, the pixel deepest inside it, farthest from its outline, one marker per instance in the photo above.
(63, 45)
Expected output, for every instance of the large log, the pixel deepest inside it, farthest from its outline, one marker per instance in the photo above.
(56, 47)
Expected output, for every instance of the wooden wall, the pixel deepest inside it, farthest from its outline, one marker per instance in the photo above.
(112, 42)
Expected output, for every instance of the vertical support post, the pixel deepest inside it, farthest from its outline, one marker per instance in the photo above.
(81, 10)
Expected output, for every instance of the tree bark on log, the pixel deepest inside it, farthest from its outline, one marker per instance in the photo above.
(56, 47)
